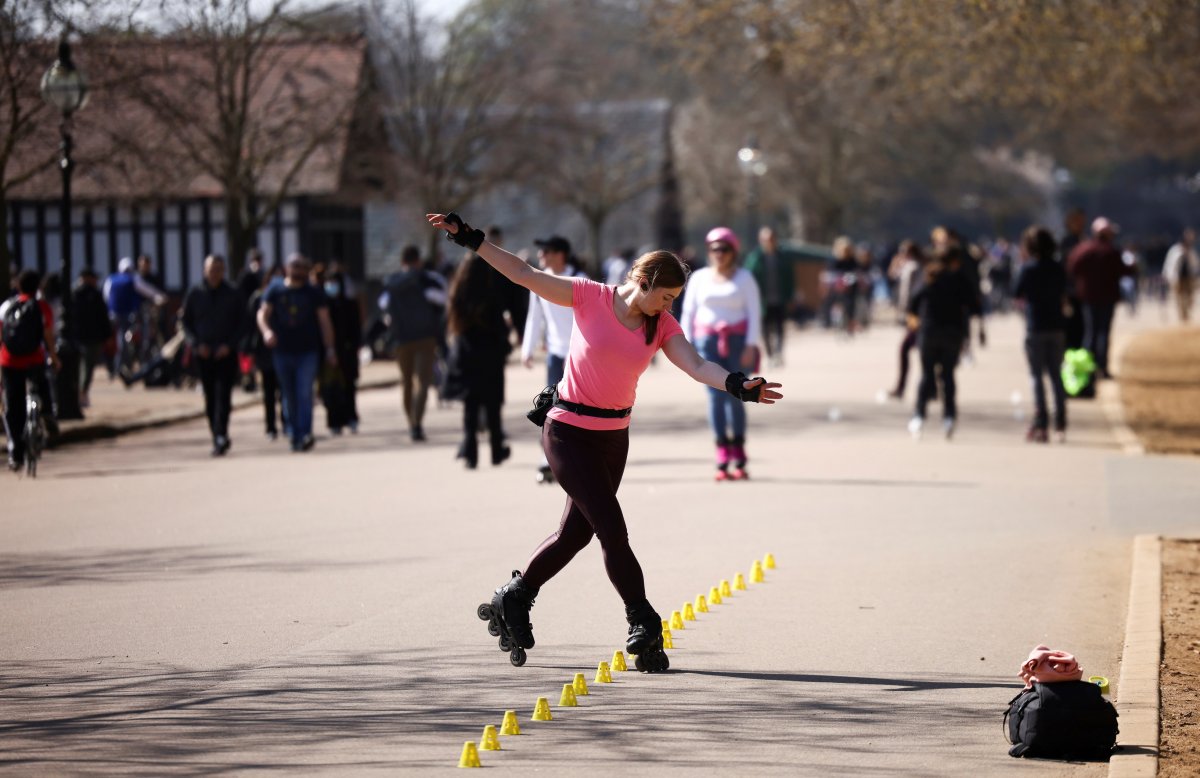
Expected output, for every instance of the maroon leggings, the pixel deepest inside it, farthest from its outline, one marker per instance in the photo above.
(589, 465)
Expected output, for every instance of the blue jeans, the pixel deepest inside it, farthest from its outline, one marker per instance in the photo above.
(554, 369)
(726, 413)
(297, 373)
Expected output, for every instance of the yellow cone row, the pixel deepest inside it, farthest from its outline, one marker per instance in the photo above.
(490, 741)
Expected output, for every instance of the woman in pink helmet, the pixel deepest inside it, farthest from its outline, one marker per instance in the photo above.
(722, 317)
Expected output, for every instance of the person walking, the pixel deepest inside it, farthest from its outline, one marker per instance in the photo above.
(264, 361)
(940, 309)
(722, 318)
(26, 341)
(89, 319)
(1180, 271)
(1097, 269)
(775, 274)
(586, 429)
(212, 319)
(1042, 288)
(295, 324)
(341, 401)
(905, 269)
(478, 349)
(414, 301)
(1074, 233)
(551, 323)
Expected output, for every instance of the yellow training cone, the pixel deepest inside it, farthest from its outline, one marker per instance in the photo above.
(725, 590)
(580, 684)
(567, 700)
(676, 620)
(701, 604)
(510, 726)
(739, 583)
(714, 596)
(667, 641)
(689, 613)
(541, 711)
(470, 756)
(666, 624)
(490, 740)
(618, 662)
(602, 674)
(769, 561)
(756, 572)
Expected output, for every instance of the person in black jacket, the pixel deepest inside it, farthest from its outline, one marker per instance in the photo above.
(341, 391)
(1042, 288)
(478, 349)
(92, 328)
(212, 320)
(941, 309)
(414, 302)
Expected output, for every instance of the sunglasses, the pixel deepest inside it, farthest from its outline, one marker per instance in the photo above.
(721, 249)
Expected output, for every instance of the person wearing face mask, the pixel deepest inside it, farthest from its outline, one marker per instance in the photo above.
(212, 321)
(722, 317)
(585, 426)
(340, 393)
(295, 324)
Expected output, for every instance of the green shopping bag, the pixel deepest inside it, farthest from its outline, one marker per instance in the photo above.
(1079, 372)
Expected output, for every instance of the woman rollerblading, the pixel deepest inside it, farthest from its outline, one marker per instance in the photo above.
(585, 431)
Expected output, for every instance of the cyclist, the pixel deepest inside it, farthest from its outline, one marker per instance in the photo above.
(26, 339)
(124, 292)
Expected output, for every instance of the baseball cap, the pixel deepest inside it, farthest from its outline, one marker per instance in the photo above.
(1101, 224)
(555, 243)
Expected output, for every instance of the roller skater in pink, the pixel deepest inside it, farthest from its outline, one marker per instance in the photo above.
(585, 427)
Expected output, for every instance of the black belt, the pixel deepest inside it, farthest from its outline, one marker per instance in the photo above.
(588, 410)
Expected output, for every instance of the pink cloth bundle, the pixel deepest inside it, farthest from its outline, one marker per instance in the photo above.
(1046, 666)
(722, 330)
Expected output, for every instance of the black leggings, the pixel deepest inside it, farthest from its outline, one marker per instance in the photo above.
(589, 465)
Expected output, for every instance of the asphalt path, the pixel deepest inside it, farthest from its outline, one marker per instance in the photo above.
(167, 613)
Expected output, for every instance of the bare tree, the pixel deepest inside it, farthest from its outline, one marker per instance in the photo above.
(451, 117)
(249, 102)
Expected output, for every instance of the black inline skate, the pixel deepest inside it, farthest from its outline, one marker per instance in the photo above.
(507, 616)
(645, 638)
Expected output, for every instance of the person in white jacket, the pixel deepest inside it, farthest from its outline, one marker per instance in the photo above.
(1181, 270)
(722, 317)
(550, 323)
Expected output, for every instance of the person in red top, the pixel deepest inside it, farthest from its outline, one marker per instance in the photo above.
(26, 338)
(618, 329)
(1097, 268)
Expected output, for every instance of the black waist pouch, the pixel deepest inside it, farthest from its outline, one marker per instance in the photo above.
(542, 404)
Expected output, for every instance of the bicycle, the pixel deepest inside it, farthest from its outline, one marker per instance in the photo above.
(35, 431)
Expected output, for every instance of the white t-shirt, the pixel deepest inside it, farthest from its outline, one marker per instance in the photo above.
(553, 322)
(711, 300)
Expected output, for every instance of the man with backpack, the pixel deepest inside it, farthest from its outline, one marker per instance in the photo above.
(26, 338)
(414, 301)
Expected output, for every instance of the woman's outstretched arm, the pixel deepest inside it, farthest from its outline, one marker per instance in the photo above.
(684, 356)
(556, 289)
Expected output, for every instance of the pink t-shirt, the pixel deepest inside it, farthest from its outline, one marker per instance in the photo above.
(606, 357)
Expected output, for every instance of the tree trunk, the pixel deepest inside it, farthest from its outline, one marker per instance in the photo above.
(595, 229)
(240, 236)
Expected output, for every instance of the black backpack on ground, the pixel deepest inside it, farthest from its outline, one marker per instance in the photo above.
(1065, 720)
(24, 327)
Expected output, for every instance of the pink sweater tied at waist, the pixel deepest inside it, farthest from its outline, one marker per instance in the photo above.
(1046, 666)
(722, 330)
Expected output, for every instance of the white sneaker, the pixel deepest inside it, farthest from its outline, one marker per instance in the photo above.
(948, 428)
(914, 427)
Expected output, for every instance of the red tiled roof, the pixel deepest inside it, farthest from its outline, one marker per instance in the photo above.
(124, 150)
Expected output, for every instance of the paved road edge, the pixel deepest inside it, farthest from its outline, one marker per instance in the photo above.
(1137, 688)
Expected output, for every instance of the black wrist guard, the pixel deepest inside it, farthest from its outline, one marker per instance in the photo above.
(735, 384)
(467, 236)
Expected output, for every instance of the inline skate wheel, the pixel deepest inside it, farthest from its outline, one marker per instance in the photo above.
(494, 629)
(484, 612)
(517, 656)
(653, 662)
(505, 643)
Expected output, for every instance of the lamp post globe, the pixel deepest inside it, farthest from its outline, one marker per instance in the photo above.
(65, 87)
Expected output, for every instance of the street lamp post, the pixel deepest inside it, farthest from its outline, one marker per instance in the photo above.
(753, 163)
(65, 88)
